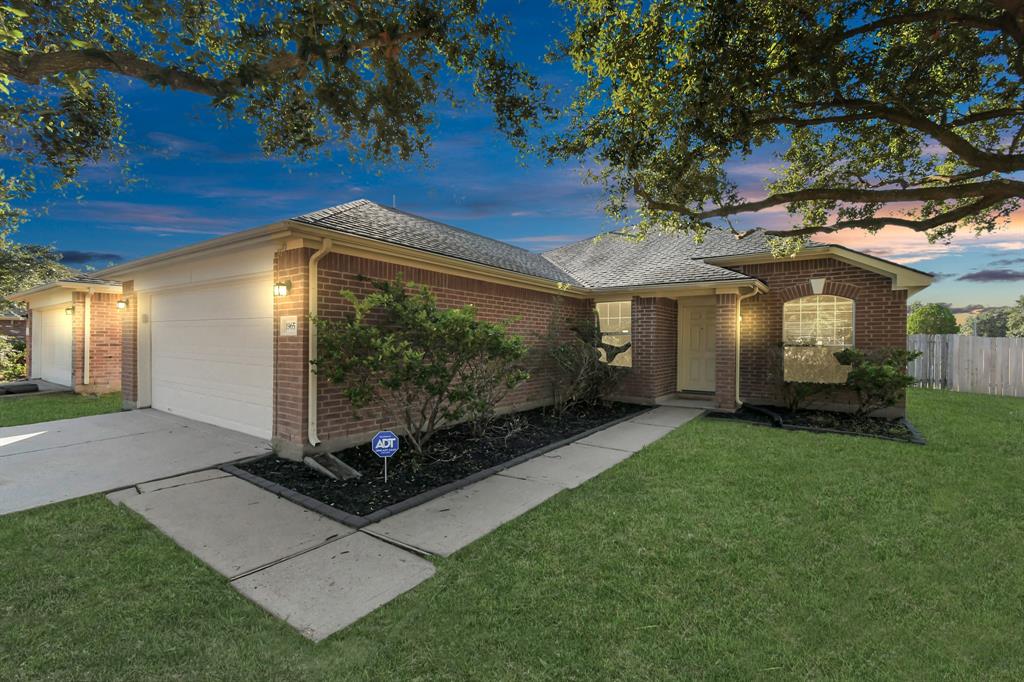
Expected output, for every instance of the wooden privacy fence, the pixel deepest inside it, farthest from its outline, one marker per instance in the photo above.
(972, 364)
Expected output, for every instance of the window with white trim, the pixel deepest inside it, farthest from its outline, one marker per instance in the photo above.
(818, 320)
(615, 321)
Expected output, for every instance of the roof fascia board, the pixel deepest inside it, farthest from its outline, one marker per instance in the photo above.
(71, 286)
(902, 277)
(278, 230)
(373, 249)
(677, 290)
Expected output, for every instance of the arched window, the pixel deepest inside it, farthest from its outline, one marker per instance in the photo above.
(818, 321)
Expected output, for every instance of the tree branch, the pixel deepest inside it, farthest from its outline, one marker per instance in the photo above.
(33, 67)
(876, 223)
(1000, 189)
(951, 16)
(979, 158)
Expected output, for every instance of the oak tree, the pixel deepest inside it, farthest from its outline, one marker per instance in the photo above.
(363, 76)
(886, 112)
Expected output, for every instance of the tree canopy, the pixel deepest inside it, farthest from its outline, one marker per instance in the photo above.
(887, 112)
(931, 318)
(1015, 319)
(362, 77)
(26, 265)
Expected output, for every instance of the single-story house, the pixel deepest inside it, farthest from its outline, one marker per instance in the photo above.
(219, 331)
(13, 322)
(74, 333)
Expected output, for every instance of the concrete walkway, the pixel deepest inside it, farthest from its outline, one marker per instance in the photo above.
(321, 576)
(53, 461)
(314, 573)
(448, 523)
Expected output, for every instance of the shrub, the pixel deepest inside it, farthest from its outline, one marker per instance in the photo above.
(422, 365)
(582, 377)
(880, 378)
(931, 318)
(798, 393)
(12, 358)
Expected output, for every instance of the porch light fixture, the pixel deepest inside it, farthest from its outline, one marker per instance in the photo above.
(122, 304)
(69, 311)
(282, 288)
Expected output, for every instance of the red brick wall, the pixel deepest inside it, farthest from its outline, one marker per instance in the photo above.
(291, 352)
(129, 347)
(530, 312)
(105, 343)
(725, 352)
(654, 336)
(880, 317)
(15, 328)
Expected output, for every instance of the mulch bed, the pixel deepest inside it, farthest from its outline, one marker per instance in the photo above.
(451, 455)
(824, 421)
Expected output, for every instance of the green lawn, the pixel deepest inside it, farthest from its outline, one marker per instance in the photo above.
(30, 409)
(723, 551)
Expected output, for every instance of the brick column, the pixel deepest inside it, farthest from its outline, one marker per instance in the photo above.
(28, 343)
(655, 337)
(725, 352)
(291, 353)
(129, 348)
(104, 343)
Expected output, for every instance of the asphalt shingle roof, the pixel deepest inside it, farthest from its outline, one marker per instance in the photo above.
(616, 260)
(80, 278)
(612, 260)
(365, 218)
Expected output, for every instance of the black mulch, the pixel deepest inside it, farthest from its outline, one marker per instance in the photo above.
(824, 421)
(451, 455)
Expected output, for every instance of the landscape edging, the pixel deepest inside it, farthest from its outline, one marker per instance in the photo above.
(356, 521)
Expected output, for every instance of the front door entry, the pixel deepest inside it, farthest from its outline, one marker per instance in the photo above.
(696, 347)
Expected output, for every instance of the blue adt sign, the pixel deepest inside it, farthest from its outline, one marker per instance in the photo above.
(385, 443)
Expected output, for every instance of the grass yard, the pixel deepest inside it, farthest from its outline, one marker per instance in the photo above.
(723, 551)
(30, 409)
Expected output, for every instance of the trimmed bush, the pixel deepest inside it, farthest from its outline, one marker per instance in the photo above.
(878, 378)
(422, 365)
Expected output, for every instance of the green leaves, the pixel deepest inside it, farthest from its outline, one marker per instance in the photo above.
(314, 76)
(422, 365)
(855, 96)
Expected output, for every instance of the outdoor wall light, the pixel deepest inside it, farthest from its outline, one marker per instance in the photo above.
(122, 304)
(282, 288)
(69, 311)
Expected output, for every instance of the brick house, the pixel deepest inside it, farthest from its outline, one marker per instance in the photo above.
(74, 333)
(219, 331)
(13, 322)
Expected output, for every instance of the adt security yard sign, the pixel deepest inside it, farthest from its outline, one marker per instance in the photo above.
(385, 444)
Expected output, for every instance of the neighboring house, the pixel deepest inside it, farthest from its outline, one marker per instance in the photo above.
(206, 337)
(74, 333)
(12, 322)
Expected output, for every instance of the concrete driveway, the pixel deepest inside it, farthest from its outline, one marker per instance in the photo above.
(53, 461)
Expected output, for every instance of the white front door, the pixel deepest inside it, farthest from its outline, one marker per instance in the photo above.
(696, 347)
(212, 350)
(51, 345)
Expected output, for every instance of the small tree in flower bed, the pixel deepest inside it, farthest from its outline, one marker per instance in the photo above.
(878, 378)
(422, 365)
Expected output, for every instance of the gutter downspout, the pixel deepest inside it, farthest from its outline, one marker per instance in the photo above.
(311, 380)
(739, 324)
(86, 333)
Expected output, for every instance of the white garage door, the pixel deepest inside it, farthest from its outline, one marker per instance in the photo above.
(213, 354)
(51, 345)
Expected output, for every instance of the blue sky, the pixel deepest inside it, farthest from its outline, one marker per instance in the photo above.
(199, 179)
